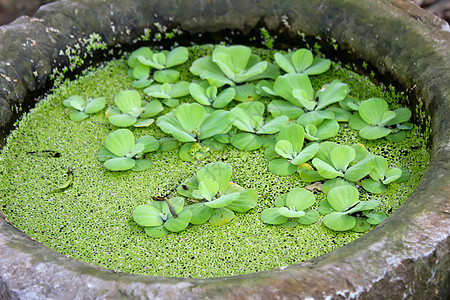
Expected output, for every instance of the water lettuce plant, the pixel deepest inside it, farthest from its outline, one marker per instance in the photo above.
(333, 160)
(319, 125)
(232, 65)
(303, 62)
(161, 217)
(130, 110)
(142, 60)
(208, 95)
(190, 122)
(168, 92)
(374, 120)
(249, 119)
(292, 209)
(121, 152)
(382, 175)
(288, 153)
(298, 90)
(216, 197)
(78, 109)
(344, 211)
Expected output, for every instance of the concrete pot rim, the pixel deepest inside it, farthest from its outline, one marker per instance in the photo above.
(405, 256)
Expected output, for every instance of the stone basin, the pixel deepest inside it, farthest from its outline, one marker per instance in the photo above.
(407, 256)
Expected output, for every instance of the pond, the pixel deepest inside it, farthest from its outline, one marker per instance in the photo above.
(91, 220)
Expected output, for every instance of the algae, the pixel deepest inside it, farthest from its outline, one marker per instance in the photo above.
(91, 220)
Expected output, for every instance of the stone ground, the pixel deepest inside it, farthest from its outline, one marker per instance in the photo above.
(11, 9)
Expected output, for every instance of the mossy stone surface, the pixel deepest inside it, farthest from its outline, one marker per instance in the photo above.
(91, 220)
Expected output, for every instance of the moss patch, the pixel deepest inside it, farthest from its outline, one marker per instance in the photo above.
(91, 220)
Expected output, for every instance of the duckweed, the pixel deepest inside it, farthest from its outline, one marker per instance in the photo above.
(92, 219)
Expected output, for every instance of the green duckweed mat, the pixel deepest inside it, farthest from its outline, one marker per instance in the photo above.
(91, 220)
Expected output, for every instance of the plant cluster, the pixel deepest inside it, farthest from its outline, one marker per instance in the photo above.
(215, 199)
(293, 129)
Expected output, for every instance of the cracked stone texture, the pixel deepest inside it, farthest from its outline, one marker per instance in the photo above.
(405, 257)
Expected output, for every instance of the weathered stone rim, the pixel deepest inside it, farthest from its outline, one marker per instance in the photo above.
(407, 256)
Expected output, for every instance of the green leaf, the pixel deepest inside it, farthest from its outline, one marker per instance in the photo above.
(282, 167)
(361, 225)
(120, 142)
(375, 218)
(311, 216)
(373, 133)
(331, 184)
(280, 107)
(404, 177)
(306, 154)
(190, 115)
(200, 213)
(222, 201)
(166, 76)
(246, 93)
(401, 115)
(122, 120)
(247, 200)
(76, 102)
(373, 186)
(156, 232)
(146, 215)
(341, 157)
(343, 197)
(142, 51)
(144, 123)
(331, 93)
(246, 141)
(380, 167)
(221, 216)
(218, 171)
(301, 60)
(224, 98)
(293, 133)
(284, 149)
(372, 110)
(149, 142)
(325, 207)
(361, 169)
(119, 164)
(218, 122)
(179, 223)
(78, 116)
(104, 154)
(355, 122)
(207, 69)
(319, 66)
(128, 101)
(95, 105)
(339, 222)
(177, 56)
(274, 125)
(167, 144)
(326, 130)
(300, 198)
(185, 152)
(208, 188)
(396, 137)
(179, 89)
(141, 83)
(286, 84)
(199, 94)
(141, 165)
(272, 216)
(284, 63)
(288, 213)
(325, 170)
(141, 72)
(360, 151)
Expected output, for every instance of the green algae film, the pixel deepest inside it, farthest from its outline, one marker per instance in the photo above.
(91, 220)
